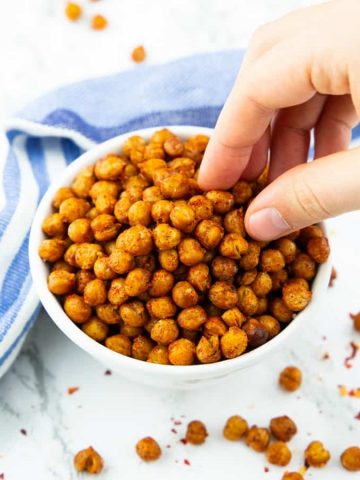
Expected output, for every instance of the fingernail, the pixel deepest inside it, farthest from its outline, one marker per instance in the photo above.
(268, 224)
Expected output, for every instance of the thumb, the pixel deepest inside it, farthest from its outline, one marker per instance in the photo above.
(305, 195)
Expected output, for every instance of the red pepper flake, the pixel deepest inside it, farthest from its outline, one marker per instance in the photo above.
(178, 422)
(2, 476)
(325, 356)
(72, 390)
(355, 392)
(23, 431)
(354, 350)
(184, 441)
(174, 431)
(108, 372)
(186, 461)
(266, 469)
(357, 417)
(333, 277)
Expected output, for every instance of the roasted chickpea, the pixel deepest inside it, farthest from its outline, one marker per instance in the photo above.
(137, 154)
(318, 249)
(105, 203)
(148, 449)
(86, 255)
(214, 326)
(166, 237)
(152, 194)
(133, 314)
(192, 318)
(235, 428)
(256, 333)
(54, 225)
(195, 146)
(247, 300)
(117, 292)
(278, 279)
(161, 307)
(191, 335)
(149, 167)
(141, 348)
(190, 252)
(83, 182)
(61, 282)
(169, 260)
(208, 349)
(271, 325)
(184, 295)
(104, 187)
(181, 352)
(130, 331)
(140, 213)
(174, 186)
(209, 233)
(137, 240)
(283, 428)
(233, 342)
(108, 313)
(80, 231)
(146, 261)
(296, 297)
(263, 306)
(83, 277)
(258, 438)
(137, 281)
(246, 278)
(199, 277)
(312, 231)
(224, 268)
(173, 146)
(89, 461)
(304, 267)
(76, 308)
(278, 453)
(105, 227)
(223, 295)
(196, 432)
(62, 265)
(316, 455)
(102, 269)
(280, 310)
(292, 476)
(242, 192)
(288, 249)
(272, 260)
(182, 216)
(290, 379)
(160, 211)
(165, 331)
(52, 249)
(62, 194)
(251, 258)
(262, 284)
(95, 329)
(95, 292)
(73, 208)
(121, 209)
(131, 143)
(121, 262)
(119, 343)
(159, 354)
(202, 207)
(222, 201)
(234, 222)
(110, 168)
(350, 459)
(233, 317)
(161, 283)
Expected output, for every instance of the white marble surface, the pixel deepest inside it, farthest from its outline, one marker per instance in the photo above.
(40, 50)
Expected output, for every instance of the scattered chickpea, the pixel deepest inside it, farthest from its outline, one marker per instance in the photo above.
(316, 455)
(196, 432)
(148, 449)
(235, 428)
(292, 476)
(89, 461)
(283, 428)
(99, 22)
(290, 378)
(258, 438)
(278, 453)
(73, 11)
(138, 54)
(350, 459)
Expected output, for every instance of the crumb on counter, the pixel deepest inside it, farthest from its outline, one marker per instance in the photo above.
(138, 54)
(73, 11)
(99, 22)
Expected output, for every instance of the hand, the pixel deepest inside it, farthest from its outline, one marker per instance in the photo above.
(301, 72)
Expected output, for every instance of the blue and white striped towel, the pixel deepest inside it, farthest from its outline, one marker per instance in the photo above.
(57, 128)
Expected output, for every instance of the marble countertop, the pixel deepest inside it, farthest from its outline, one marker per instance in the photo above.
(41, 425)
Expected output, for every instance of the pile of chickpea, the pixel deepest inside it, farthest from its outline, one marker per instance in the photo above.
(152, 267)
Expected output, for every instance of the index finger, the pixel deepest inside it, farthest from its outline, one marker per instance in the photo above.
(275, 80)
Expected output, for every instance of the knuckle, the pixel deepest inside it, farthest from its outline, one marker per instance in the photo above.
(310, 204)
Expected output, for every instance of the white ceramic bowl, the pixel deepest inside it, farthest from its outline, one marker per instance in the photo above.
(159, 375)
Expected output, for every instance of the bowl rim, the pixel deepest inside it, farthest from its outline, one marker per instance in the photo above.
(39, 271)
